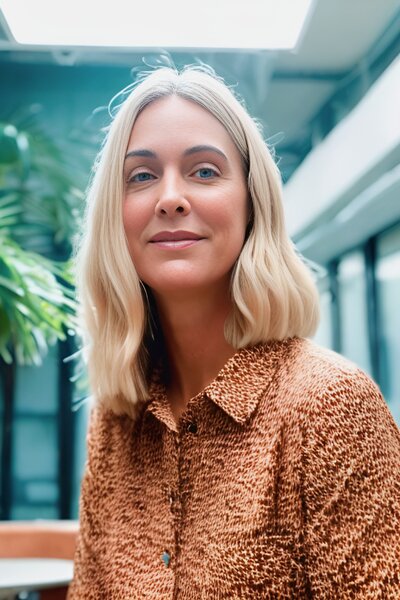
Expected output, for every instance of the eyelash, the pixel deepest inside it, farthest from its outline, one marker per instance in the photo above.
(133, 178)
(214, 172)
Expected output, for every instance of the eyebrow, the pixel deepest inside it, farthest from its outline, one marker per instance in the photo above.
(204, 148)
(193, 150)
(142, 152)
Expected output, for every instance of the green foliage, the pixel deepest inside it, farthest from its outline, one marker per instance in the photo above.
(40, 209)
(36, 303)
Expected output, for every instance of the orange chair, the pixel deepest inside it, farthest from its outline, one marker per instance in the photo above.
(39, 539)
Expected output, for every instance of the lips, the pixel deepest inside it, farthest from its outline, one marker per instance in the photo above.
(175, 236)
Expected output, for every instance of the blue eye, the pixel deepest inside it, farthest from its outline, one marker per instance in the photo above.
(206, 173)
(142, 177)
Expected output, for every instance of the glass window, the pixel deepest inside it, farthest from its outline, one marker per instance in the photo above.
(388, 289)
(81, 425)
(36, 388)
(34, 467)
(35, 444)
(35, 448)
(352, 298)
(26, 512)
(323, 335)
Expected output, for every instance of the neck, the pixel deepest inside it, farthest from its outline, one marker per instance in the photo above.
(196, 347)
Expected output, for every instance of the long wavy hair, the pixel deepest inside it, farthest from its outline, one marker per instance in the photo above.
(273, 292)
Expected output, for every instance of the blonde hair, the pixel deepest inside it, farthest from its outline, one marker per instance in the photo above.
(273, 293)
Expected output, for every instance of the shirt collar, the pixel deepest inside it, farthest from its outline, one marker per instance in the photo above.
(237, 389)
(244, 379)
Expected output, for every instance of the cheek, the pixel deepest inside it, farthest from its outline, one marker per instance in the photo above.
(229, 210)
(132, 231)
(236, 217)
(134, 220)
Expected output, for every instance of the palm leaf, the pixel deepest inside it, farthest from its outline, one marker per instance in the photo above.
(40, 210)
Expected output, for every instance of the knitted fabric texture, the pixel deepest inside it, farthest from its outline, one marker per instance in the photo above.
(281, 480)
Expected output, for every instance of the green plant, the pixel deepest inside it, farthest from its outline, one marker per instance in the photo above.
(40, 208)
(36, 303)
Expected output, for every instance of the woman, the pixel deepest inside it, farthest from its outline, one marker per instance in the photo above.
(229, 457)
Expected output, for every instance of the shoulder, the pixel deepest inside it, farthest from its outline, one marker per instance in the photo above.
(324, 384)
(108, 433)
(306, 363)
(317, 363)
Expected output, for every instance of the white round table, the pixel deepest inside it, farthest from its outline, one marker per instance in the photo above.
(28, 574)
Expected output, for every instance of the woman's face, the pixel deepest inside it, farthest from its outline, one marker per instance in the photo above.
(186, 202)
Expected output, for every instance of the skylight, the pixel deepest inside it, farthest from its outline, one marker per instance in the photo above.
(250, 24)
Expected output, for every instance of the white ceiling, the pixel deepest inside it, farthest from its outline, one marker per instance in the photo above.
(339, 34)
(285, 90)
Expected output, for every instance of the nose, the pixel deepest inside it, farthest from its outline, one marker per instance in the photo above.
(172, 200)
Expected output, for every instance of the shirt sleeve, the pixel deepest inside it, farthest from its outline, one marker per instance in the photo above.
(352, 493)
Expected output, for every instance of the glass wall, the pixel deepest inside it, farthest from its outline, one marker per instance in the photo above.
(34, 487)
(352, 298)
(388, 289)
(324, 334)
(361, 307)
(81, 424)
(42, 440)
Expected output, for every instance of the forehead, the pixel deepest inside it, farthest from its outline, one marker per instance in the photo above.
(174, 118)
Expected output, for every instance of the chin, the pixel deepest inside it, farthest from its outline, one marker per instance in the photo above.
(182, 285)
(172, 279)
(178, 286)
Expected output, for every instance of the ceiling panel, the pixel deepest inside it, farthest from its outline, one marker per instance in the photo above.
(339, 34)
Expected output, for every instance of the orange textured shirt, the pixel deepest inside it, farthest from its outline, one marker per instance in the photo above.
(282, 480)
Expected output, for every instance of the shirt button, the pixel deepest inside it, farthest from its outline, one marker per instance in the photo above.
(166, 557)
(192, 428)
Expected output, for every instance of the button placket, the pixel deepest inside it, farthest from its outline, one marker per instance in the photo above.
(170, 492)
(171, 498)
(192, 427)
(166, 557)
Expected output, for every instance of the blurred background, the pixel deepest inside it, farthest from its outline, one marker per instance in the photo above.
(329, 104)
